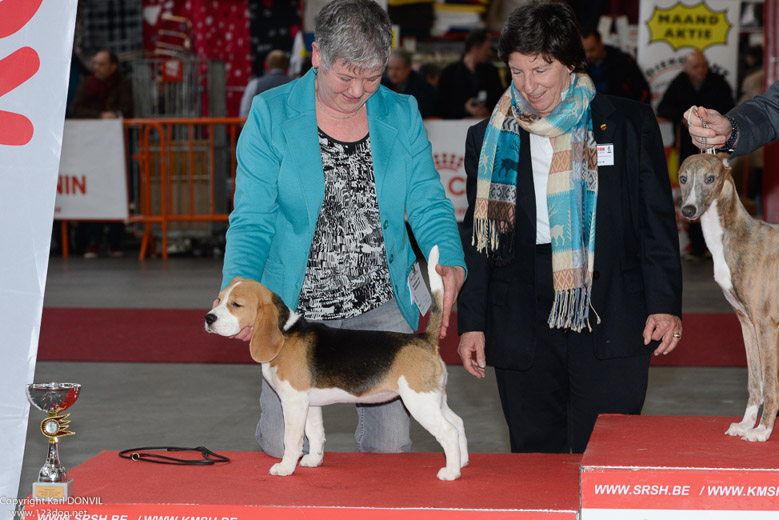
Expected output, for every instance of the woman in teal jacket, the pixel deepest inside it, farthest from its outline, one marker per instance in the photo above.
(329, 168)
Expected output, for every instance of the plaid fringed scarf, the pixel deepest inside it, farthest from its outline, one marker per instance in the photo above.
(572, 193)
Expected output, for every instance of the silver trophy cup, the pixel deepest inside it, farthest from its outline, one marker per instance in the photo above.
(53, 398)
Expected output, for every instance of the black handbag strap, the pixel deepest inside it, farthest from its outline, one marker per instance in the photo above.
(209, 457)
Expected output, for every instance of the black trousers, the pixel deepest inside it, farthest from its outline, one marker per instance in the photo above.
(552, 406)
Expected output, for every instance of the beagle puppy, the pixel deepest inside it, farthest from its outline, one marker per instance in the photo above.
(310, 365)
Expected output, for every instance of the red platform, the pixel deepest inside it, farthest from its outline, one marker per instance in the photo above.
(651, 467)
(348, 486)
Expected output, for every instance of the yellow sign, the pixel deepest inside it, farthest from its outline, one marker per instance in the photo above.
(685, 26)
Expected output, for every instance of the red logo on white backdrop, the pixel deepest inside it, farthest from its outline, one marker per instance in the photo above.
(15, 69)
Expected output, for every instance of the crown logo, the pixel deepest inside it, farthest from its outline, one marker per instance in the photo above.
(448, 161)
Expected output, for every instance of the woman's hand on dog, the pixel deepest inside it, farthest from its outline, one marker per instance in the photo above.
(471, 350)
(454, 278)
(665, 328)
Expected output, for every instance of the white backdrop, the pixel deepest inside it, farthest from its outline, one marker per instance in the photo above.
(36, 39)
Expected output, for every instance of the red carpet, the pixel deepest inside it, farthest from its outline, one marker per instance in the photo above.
(372, 484)
(163, 335)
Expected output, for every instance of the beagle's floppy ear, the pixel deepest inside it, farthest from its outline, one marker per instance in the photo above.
(267, 339)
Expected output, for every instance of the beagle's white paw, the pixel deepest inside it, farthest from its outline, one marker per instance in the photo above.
(759, 434)
(312, 460)
(282, 470)
(447, 474)
(738, 429)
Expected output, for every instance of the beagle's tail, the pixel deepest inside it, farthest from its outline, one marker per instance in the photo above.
(433, 329)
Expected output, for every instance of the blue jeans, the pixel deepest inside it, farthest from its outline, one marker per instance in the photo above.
(381, 428)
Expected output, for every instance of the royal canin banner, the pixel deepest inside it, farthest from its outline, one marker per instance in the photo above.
(92, 182)
(448, 141)
(36, 41)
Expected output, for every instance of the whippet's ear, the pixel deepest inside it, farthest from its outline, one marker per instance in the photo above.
(725, 158)
(267, 339)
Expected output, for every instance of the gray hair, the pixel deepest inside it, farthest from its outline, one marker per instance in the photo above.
(358, 32)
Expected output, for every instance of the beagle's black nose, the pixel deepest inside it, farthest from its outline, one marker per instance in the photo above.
(688, 210)
(210, 318)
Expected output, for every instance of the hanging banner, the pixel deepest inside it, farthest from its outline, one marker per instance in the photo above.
(448, 141)
(92, 181)
(668, 30)
(36, 38)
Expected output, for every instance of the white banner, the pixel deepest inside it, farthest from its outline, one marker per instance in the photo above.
(668, 30)
(92, 181)
(36, 38)
(448, 140)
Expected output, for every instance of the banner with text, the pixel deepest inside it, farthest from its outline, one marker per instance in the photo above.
(668, 30)
(448, 141)
(92, 181)
(36, 38)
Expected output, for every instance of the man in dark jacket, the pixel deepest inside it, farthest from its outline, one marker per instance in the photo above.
(472, 86)
(612, 71)
(106, 94)
(401, 78)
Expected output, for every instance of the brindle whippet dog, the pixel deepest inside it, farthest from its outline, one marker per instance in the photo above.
(745, 252)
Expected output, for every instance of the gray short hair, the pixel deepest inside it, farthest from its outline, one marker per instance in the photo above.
(357, 31)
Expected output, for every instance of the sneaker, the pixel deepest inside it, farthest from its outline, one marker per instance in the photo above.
(115, 252)
(91, 251)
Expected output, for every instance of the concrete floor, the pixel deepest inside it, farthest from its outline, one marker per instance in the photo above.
(128, 405)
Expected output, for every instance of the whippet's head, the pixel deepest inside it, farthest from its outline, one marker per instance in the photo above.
(701, 178)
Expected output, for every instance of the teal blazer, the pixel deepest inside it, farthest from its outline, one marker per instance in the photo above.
(280, 189)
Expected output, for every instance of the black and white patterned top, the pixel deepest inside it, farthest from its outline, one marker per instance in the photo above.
(347, 271)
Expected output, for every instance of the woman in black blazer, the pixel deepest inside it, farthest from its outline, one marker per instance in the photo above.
(574, 276)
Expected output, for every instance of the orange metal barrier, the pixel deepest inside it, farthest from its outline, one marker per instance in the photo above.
(181, 173)
(186, 173)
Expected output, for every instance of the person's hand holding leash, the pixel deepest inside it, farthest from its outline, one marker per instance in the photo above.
(471, 352)
(717, 133)
(454, 278)
(665, 327)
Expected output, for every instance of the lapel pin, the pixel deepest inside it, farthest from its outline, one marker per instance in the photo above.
(603, 126)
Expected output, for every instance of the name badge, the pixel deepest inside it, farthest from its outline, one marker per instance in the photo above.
(606, 154)
(418, 289)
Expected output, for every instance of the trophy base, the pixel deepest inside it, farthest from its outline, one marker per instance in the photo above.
(53, 490)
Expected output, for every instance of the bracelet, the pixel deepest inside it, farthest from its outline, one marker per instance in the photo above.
(728, 146)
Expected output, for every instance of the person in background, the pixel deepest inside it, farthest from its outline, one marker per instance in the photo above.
(431, 72)
(574, 276)
(469, 87)
(401, 78)
(695, 85)
(105, 94)
(276, 64)
(329, 167)
(612, 71)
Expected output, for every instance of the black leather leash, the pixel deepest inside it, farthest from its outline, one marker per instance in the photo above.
(157, 458)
